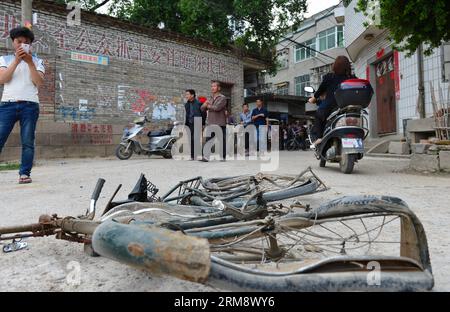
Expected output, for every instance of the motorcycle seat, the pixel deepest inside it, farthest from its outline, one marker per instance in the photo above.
(154, 134)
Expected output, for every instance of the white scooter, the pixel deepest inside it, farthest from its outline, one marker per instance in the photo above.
(346, 128)
(160, 142)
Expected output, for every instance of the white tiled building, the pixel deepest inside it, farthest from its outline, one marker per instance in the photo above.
(373, 57)
(300, 66)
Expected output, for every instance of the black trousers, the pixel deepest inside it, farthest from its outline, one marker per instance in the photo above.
(224, 140)
(191, 128)
(320, 122)
(247, 139)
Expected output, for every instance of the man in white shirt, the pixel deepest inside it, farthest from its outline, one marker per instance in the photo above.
(21, 74)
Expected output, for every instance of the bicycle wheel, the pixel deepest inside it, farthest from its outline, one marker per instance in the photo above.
(331, 248)
(291, 145)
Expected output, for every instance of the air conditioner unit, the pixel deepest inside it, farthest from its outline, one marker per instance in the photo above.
(339, 14)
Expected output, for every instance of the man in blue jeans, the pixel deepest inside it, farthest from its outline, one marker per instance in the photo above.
(21, 74)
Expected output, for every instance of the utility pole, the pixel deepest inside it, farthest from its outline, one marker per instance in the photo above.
(421, 84)
(27, 13)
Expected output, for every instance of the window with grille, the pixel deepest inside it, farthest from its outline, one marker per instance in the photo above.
(340, 36)
(445, 52)
(300, 83)
(318, 73)
(331, 38)
(282, 88)
(303, 51)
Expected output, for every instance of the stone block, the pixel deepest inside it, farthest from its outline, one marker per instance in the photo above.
(399, 148)
(380, 148)
(420, 148)
(424, 162)
(444, 160)
(420, 125)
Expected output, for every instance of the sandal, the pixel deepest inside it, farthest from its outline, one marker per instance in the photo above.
(25, 179)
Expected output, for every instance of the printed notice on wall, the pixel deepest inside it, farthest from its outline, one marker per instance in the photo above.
(89, 58)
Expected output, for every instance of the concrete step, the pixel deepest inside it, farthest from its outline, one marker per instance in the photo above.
(382, 145)
(395, 156)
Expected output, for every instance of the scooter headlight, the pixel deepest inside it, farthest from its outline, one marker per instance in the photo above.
(349, 122)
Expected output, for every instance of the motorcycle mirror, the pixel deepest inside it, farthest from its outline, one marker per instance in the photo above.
(309, 89)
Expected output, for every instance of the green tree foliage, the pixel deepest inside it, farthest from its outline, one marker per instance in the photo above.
(413, 22)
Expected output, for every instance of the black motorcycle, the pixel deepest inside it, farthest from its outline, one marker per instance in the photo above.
(346, 128)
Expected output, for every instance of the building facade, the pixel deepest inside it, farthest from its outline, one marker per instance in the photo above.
(393, 75)
(320, 40)
(102, 73)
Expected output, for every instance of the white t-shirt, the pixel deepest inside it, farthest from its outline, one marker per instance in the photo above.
(21, 87)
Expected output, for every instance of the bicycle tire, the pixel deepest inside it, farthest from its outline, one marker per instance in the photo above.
(319, 276)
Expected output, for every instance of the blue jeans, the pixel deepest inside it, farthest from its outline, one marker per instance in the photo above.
(27, 114)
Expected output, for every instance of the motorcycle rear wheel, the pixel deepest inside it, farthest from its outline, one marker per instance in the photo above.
(347, 163)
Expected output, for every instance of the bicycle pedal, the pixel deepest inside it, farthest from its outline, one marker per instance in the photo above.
(14, 246)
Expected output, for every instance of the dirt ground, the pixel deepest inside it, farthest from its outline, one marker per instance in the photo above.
(64, 187)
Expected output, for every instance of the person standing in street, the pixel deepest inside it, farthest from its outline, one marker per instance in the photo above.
(21, 74)
(216, 106)
(246, 115)
(193, 111)
(260, 118)
(246, 119)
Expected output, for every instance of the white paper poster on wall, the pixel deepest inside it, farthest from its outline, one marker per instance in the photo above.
(83, 105)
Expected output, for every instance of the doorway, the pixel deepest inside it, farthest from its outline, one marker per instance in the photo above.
(385, 91)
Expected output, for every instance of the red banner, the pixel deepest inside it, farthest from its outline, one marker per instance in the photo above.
(86, 134)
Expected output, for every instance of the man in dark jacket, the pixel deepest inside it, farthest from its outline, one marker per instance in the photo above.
(260, 118)
(193, 110)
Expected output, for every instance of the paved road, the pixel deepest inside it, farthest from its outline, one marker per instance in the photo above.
(64, 187)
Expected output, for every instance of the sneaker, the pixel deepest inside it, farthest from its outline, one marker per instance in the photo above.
(24, 179)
